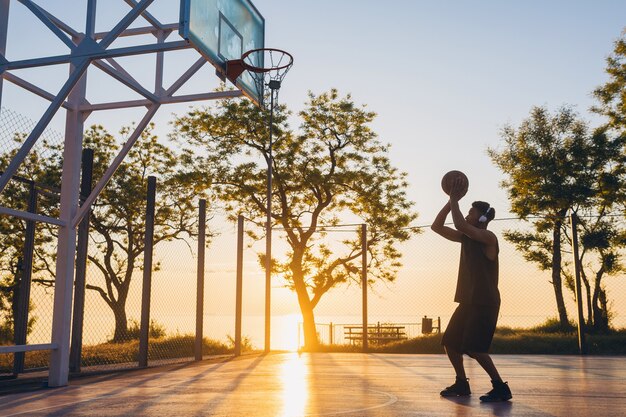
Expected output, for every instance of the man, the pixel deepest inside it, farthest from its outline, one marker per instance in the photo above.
(471, 327)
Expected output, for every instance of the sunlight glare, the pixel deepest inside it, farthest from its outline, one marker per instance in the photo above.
(286, 333)
(294, 380)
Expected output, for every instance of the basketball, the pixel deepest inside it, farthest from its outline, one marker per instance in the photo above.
(448, 180)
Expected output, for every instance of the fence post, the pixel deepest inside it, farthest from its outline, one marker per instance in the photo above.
(200, 282)
(147, 274)
(23, 298)
(81, 265)
(364, 282)
(330, 333)
(239, 290)
(582, 343)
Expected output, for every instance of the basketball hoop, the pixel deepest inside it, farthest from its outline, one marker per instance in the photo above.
(266, 66)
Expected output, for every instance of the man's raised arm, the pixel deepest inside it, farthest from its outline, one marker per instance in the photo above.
(439, 227)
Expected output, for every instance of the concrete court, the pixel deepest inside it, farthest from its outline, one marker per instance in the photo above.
(336, 384)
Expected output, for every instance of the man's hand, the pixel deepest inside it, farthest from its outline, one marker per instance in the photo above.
(458, 187)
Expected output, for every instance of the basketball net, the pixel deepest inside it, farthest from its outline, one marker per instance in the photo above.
(266, 67)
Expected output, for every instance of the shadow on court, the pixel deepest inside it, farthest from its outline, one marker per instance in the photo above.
(345, 384)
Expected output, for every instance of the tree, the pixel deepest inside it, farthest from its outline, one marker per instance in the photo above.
(118, 216)
(602, 239)
(611, 95)
(35, 175)
(611, 99)
(603, 234)
(335, 167)
(555, 165)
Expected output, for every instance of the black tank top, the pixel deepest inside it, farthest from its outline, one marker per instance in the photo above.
(478, 276)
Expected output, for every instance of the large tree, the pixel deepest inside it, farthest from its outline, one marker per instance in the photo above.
(554, 164)
(118, 217)
(334, 167)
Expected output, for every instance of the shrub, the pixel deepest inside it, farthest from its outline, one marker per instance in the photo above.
(155, 330)
(553, 325)
(246, 343)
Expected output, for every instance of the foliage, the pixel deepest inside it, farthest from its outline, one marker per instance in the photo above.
(537, 341)
(155, 330)
(246, 343)
(542, 181)
(334, 169)
(33, 178)
(554, 165)
(179, 346)
(118, 217)
(553, 325)
(611, 101)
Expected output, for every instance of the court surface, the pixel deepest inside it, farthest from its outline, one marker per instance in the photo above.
(336, 384)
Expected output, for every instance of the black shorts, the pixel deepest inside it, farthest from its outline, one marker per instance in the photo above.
(471, 328)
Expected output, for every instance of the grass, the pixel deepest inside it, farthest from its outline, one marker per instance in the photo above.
(509, 341)
(172, 347)
(544, 339)
(547, 338)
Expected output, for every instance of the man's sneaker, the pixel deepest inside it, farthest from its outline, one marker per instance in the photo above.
(500, 392)
(460, 388)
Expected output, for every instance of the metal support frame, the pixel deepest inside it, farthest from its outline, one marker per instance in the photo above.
(4, 26)
(85, 49)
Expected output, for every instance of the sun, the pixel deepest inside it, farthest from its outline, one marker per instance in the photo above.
(286, 331)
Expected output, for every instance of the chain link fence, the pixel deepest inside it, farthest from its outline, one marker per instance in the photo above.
(421, 298)
(26, 276)
(418, 301)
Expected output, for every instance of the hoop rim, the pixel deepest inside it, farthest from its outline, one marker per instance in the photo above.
(253, 68)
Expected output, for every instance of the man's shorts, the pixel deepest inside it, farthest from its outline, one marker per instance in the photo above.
(471, 328)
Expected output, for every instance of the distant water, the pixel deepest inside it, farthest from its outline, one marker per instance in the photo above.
(285, 329)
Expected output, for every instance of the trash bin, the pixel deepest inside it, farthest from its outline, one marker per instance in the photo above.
(427, 325)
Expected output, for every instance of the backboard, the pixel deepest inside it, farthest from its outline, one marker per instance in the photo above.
(222, 30)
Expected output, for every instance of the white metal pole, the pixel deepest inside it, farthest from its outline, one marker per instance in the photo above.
(66, 247)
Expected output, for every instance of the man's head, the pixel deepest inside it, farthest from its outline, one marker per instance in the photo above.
(480, 214)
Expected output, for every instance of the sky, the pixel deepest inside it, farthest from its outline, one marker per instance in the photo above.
(444, 77)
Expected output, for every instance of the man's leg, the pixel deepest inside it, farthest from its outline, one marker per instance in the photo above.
(452, 341)
(484, 360)
(501, 390)
(456, 359)
(461, 387)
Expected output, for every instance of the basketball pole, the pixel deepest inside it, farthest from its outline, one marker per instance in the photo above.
(274, 86)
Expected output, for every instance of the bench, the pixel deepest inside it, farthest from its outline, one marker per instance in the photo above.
(378, 334)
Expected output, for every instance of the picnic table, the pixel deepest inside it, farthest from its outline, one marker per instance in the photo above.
(376, 334)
